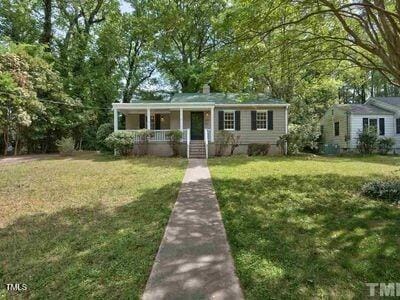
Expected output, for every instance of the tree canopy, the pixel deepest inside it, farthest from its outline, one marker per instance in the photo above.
(63, 62)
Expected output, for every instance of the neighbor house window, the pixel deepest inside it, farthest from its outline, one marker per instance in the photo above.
(229, 120)
(336, 128)
(398, 126)
(373, 123)
(261, 120)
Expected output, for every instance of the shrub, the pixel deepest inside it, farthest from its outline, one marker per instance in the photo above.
(103, 132)
(142, 138)
(305, 137)
(222, 141)
(385, 190)
(282, 143)
(234, 142)
(385, 145)
(367, 140)
(121, 141)
(66, 146)
(258, 149)
(175, 137)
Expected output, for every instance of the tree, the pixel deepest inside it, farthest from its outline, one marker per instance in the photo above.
(133, 35)
(373, 30)
(188, 39)
(34, 109)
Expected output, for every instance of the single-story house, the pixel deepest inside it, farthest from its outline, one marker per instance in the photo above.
(200, 117)
(341, 124)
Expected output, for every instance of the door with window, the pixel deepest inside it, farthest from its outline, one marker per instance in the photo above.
(197, 125)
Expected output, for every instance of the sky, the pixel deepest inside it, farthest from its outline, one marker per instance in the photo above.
(125, 7)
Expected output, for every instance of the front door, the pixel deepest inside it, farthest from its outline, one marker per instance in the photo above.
(197, 125)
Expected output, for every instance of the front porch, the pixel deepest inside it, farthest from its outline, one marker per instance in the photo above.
(195, 122)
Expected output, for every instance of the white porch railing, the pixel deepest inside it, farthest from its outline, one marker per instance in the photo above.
(187, 142)
(206, 141)
(207, 133)
(161, 135)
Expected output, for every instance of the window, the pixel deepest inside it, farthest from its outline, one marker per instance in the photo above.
(398, 126)
(261, 120)
(336, 128)
(322, 129)
(381, 126)
(229, 120)
(373, 123)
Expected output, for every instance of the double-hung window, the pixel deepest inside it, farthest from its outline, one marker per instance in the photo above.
(229, 120)
(373, 123)
(261, 120)
(337, 131)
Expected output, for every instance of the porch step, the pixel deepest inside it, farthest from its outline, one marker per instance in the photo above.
(197, 149)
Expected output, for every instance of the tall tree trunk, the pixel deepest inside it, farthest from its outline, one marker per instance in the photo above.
(5, 139)
(16, 145)
(47, 24)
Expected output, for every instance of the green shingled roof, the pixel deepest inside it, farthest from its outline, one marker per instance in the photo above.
(218, 98)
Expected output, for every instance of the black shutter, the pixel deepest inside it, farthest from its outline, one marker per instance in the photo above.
(381, 126)
(365, 124)
(253, 120)
(142, 121)
(221, 120)
(398, 126)
(270, 120)
(158, 121)
(237, 120)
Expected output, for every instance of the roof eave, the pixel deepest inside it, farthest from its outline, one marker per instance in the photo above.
(191, 104)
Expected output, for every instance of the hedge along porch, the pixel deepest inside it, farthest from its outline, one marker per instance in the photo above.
(200, 116)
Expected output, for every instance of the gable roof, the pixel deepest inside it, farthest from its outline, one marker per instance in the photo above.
(394, 101)
(363, 109)
(216, 98)
(221, 98)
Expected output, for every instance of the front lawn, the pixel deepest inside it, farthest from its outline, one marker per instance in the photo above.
(84, 227)
(298, 227)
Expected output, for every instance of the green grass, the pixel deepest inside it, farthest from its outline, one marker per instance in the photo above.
(299, 228)
(86, 227)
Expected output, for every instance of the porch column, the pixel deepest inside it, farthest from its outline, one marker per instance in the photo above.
(181, 119)
(148, 119)
(212, 125)
(115, 120)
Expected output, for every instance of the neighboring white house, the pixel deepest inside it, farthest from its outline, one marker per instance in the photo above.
(342, 123)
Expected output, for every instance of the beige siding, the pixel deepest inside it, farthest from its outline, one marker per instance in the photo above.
(328, 121)
(248, 136)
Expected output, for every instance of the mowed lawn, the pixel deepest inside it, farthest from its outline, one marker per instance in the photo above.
(84, 227)
(299, 228)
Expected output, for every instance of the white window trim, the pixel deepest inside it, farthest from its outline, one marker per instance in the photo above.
(234, 120)
(266, 120)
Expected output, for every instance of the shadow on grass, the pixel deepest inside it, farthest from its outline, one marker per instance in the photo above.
(148, 161)
(237, 160)
(87, 252)
(308, 236)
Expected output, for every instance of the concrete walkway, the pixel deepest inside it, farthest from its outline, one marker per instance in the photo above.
(194, 260)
